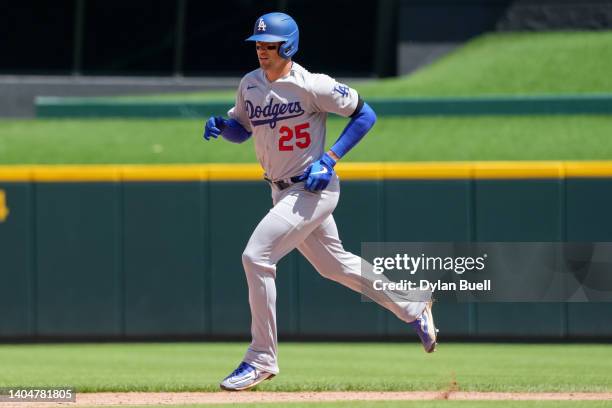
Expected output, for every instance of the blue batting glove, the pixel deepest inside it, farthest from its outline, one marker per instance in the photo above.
(319, 173)
(215, 125)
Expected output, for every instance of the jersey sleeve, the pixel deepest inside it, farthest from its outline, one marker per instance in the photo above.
(328, 95)
(238, 111)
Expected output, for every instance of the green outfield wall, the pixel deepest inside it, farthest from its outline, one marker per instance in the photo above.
(56, 107)
(155, 251)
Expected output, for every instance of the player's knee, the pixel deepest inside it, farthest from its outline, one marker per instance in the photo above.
(251, 257)
(247, 258)
(257, 265)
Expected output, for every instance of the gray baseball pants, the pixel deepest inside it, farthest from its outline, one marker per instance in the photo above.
(302, 220)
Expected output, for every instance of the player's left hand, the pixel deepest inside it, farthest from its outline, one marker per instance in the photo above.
(214, 127)
(319, 173)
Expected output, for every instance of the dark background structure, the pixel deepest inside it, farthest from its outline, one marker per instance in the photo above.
(195, 38)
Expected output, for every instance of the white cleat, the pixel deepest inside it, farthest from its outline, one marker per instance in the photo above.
(244, 377)
(426, 329)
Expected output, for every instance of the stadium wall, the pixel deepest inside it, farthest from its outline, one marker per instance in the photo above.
(153, 252)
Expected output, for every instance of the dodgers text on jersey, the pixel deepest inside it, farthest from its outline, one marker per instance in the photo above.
(272, 112)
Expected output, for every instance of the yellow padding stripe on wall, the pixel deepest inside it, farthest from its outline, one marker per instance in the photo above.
(347, 171)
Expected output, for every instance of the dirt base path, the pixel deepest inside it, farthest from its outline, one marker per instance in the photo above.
(169, 398)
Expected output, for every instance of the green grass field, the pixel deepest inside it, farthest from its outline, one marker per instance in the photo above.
(512, 63)
(392, 139)
(493, 64)
(312, 366)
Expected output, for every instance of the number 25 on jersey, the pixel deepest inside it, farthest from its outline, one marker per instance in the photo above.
(297, 136)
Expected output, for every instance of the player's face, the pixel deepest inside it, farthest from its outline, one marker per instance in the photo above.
(267, 54)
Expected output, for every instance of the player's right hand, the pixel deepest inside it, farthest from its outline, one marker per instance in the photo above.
(214, 127)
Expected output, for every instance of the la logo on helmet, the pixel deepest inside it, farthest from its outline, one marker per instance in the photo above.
(262, 25)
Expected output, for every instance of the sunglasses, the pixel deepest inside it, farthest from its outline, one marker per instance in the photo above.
(266, 47)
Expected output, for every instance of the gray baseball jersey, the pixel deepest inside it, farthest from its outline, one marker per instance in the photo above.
(287, 117)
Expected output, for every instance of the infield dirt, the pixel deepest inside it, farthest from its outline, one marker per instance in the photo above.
(175, 398)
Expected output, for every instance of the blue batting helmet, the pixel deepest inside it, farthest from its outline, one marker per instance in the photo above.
(277, 27)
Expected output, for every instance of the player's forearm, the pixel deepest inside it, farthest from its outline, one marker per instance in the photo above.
(354, 131)
(234, 132)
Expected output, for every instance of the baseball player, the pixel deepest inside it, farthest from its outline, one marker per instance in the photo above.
(284, 108)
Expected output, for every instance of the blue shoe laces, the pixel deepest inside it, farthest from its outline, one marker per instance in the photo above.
(241, 368)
